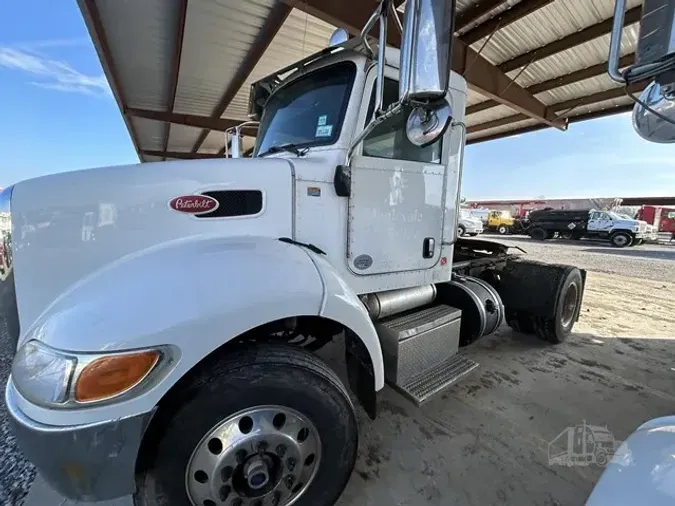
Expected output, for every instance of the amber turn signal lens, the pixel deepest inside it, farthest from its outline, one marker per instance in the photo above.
(110, 376)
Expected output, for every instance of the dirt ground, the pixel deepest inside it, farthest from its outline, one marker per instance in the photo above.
(485, 441)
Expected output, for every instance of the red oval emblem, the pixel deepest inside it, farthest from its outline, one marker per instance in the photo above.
(193, 204)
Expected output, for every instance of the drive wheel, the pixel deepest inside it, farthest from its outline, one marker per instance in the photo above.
(520, 322)
(502, 229)
(556, 330)
(567, 234)
(265, 425)
(538, 234)
(621, 239)
(461, 230)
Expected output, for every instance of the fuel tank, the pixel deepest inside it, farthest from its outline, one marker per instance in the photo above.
(67, 226)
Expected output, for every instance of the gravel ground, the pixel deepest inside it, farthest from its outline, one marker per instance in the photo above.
(16, 473)
(648, 261)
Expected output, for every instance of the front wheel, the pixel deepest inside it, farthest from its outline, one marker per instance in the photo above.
(538, 234)
(621, 239)
(461, 230)
(268, 424)
(503, 230)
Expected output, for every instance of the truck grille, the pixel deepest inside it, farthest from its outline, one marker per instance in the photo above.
(9, 317)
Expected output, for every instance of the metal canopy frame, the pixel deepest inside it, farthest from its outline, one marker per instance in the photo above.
(476, 27)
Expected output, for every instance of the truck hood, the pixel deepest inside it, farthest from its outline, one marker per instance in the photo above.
(67, 226)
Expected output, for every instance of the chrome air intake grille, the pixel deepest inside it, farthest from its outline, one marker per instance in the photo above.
(9, 317)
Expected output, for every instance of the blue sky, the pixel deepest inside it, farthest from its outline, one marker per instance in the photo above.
(58, 114)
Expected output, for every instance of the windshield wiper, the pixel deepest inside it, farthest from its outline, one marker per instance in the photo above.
(290, 147)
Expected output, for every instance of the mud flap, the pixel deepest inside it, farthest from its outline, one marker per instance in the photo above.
(535, 287)
(360, 373)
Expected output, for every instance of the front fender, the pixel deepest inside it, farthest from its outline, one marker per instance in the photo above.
(341, 304)
(196, 294)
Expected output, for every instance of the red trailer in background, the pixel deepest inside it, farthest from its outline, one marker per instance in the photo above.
(663, 218)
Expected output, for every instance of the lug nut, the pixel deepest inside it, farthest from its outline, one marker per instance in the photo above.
(281, 450)
(289, 480)
(290, 464)
(276, 500)
(226, 473)
(262, 447)
(225, 492)
(241, 456)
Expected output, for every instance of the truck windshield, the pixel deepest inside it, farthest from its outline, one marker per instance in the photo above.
(309, 111)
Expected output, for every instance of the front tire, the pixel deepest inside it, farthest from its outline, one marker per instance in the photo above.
(266, 423)
(461, 230)
(502, 229)
(621, 239)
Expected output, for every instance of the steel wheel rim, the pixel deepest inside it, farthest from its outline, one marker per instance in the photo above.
(620, 240)
(263, 455)
(569, 305)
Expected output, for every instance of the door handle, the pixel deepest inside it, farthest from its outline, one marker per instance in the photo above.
(428, 247)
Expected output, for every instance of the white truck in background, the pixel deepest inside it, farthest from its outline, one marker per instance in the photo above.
(468, 224)
(172, 357)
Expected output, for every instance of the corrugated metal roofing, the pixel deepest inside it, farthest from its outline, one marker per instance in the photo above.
(218, 35)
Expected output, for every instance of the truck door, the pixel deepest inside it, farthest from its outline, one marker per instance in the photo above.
(397, 195)
(599, 222)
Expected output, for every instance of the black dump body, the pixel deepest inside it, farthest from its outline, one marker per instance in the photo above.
(560, 221)
(555, 215)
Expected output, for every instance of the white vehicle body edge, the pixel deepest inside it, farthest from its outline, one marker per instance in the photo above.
(196, 310)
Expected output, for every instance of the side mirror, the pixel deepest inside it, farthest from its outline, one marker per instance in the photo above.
(426, 52)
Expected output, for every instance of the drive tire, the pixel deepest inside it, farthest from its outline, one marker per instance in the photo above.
(556, 330)
(502, 230)
(621, 239)
(567, 234)
(538, 234)
(461, 230)
(261, 375)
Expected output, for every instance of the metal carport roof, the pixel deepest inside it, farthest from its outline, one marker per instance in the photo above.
(180, 70)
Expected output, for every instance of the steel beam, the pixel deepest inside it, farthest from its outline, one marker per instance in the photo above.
(575, 39)
(518, 11)
(219, 124)
(175, 65)
(180, 155)
(562, 107)
(574, 119)
(557, 82)
(271, 26)
(92, 19)
(480, 74)
(475, 12)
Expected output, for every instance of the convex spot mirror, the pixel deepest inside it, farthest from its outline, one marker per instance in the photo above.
(649, 125)
(428, 122)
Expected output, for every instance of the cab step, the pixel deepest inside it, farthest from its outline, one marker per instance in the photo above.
(423, 387)
(420, 351)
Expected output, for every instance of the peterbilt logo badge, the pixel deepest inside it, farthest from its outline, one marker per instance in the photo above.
(193, 204)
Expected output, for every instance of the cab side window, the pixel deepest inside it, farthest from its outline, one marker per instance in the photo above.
(389, 139)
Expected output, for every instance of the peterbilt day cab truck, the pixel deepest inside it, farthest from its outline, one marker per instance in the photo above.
(661, 218)
(167, 348)
(619, 230)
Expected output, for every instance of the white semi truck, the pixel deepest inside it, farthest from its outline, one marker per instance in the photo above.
(169, 351)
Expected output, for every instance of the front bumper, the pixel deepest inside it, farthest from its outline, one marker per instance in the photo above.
(91, 462)
(474, 229)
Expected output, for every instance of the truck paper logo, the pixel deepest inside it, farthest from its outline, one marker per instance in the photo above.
(583, 445)
(193, 204)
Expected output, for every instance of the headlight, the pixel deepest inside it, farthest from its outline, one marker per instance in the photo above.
(49, 377)
(636, 228)
(41, 374)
